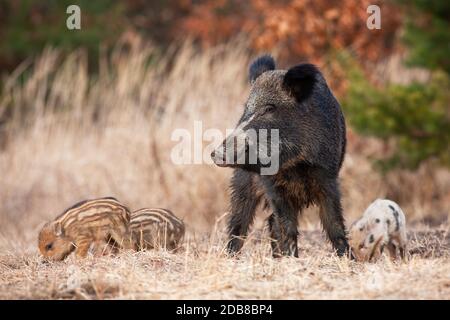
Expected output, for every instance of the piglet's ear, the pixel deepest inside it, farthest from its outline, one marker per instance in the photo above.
(58, 229)
(300, 80)
(259, 66)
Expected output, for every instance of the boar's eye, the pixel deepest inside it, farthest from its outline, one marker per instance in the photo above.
(361, 229)
(377, 220)
(49, 246)
(270, 108)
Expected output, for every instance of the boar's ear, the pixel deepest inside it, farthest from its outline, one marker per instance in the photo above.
(259, 66)
(300, 80)
(58, 229)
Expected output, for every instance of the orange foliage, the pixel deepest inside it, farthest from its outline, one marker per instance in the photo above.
(299, 29)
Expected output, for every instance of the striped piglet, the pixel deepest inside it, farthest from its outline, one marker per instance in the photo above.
(156, 228)
(83, 224)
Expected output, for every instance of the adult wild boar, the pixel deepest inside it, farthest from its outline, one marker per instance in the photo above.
(294, 163)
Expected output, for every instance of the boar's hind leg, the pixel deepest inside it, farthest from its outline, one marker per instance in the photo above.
(244, 200)
(332, 218)
(283, 222)
(283, 229)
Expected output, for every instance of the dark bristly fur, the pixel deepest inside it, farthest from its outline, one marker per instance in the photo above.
(312, 146)
(261, 65)
(300, 79)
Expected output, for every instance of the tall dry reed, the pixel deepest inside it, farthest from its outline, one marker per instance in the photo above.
(72, 135)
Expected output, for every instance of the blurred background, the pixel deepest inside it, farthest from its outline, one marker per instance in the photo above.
(90, 112)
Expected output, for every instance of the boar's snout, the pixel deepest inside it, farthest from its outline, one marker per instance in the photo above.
(232, 151)
(218, 156)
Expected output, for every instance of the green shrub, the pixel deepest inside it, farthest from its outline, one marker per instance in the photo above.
(27, 26)
(415, 116)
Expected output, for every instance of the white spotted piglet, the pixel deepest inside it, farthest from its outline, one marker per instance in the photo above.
(383, 224)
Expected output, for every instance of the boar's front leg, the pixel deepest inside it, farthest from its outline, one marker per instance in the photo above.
(244, 200)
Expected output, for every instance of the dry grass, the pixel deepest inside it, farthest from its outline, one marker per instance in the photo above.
(74, 136)
(202, 271)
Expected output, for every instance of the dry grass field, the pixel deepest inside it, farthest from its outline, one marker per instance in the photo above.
(202, 271)
(74, 136)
